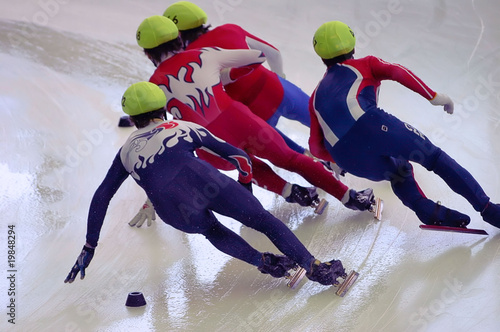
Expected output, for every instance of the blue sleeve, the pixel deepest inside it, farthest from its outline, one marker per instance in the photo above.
(100, 201)
(208, 142)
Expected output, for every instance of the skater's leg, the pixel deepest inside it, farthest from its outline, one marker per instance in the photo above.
(274, 149)
(291, 144)
(237, 203)
(256, 137)
(265, 177)
(400, 174)
(313, 171)
(458, 179)
(408, 191)
(231, 243)
(295, 104)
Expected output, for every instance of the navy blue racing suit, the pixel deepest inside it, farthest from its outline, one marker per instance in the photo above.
(185, 190)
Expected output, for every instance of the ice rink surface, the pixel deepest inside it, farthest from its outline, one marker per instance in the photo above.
(64, 66)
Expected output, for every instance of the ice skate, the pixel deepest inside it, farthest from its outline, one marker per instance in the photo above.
(444, 219)
(307, 197)
(454, 229)
(328, 273)
(376, 208)
(349, 279)
(296, 276)
(364, 200)
(431, 213)
(277, 266)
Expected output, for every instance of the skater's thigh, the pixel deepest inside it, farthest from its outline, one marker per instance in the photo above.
(405, 142)
(238, 203)
(295, 104)
(185, 201)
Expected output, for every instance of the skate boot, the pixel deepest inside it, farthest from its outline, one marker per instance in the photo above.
(326, 273)
(307, 197)
(302, 196)
(431, 213)
(276, 265)
(491, 214)
(361, 200)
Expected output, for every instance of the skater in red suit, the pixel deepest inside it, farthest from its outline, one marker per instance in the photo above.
(349, 128)
(191, 81)
(266, 92)
(186, 190)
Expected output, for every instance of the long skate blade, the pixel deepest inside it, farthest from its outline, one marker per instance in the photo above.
(377, 208)
(454, 229)
(320, 208)
(296, 278)
(347, 284)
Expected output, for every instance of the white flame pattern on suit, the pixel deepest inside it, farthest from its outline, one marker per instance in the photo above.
(142, 148)
(195, 92)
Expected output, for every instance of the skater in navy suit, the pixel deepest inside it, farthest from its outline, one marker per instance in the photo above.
(349, 128)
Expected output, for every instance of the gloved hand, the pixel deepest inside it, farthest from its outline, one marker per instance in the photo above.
(248, 186)
(147, 212)
(443, 100)
(82, 262)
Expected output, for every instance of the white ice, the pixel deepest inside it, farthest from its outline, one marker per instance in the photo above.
(64, 66)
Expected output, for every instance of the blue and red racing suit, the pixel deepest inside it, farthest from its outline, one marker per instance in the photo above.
(348, 127)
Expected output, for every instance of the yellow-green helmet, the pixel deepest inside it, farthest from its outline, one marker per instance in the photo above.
(333, 39)
(143, 97)
(186, 15)
(156, 30)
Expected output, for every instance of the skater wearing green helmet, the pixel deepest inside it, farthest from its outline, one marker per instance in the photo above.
(348, 127)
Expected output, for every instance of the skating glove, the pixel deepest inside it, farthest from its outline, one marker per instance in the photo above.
(443, 100)
(147, 212)
(82, 262)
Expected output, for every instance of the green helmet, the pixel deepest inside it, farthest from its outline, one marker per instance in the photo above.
(186, 15)
(333, 39)
(143, 97)
(156, 30)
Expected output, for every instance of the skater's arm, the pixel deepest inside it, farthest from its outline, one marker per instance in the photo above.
(383, 70)
(214, 145)
(316, 136)
(273, 55)
(237, 58)
(100, 201)
(115, 177)
(402, 75)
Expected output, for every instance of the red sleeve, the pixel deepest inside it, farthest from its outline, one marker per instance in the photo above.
(383, 70)
(249, 35)
(316, 138)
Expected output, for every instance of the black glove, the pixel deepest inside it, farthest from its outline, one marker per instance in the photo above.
(247, 186)
(82, 262)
